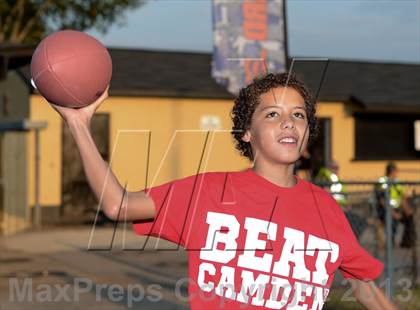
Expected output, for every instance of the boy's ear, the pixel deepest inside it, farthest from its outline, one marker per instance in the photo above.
(247, 136)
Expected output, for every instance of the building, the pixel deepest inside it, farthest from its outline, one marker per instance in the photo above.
(161, 108)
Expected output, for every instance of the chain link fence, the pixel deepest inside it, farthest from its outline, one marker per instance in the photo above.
(387, 233)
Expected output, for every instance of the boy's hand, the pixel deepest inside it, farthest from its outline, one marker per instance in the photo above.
(84, 114)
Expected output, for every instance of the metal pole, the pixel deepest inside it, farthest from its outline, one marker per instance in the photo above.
(286, 45)
(37, 210)
(389, 241)
(327, 141)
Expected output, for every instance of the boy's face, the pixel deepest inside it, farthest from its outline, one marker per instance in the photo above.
(280, 114)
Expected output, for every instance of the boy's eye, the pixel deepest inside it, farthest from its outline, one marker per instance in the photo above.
(297, 114)
(300, 115)
(271, 114)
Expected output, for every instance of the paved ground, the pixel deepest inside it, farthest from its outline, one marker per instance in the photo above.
(52, 269)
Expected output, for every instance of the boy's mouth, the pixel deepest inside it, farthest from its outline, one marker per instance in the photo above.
(288, 139)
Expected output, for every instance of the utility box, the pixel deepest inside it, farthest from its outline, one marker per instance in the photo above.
(14, 213)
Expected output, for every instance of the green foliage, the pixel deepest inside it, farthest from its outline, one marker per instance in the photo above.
(28, 21)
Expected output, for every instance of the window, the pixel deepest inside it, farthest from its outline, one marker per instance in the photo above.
(385, 137)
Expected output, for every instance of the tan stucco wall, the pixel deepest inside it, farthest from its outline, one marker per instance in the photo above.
(50, 154)
(174, 125)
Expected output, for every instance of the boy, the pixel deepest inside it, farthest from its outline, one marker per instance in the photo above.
(258, 238)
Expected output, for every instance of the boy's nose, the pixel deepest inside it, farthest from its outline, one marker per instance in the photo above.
(287, 122)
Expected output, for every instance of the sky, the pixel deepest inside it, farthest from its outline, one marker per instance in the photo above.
(366, 30)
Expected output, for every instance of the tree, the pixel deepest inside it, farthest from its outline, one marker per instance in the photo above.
(28, 21)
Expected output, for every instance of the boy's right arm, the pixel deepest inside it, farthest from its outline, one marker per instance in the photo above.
(104, 184)
(135, 206)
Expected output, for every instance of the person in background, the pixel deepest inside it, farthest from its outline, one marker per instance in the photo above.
(401, 211)
(329, 178)
(329, 175)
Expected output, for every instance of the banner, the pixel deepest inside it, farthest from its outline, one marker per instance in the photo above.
(248, 41)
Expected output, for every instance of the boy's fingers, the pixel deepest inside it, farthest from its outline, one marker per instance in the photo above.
(56, 107)
(92, 107)
(98, 101)
(105, 93)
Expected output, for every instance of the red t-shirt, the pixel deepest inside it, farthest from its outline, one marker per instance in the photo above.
(252, 244)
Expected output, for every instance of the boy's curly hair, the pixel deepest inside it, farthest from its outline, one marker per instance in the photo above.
(249, 98)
